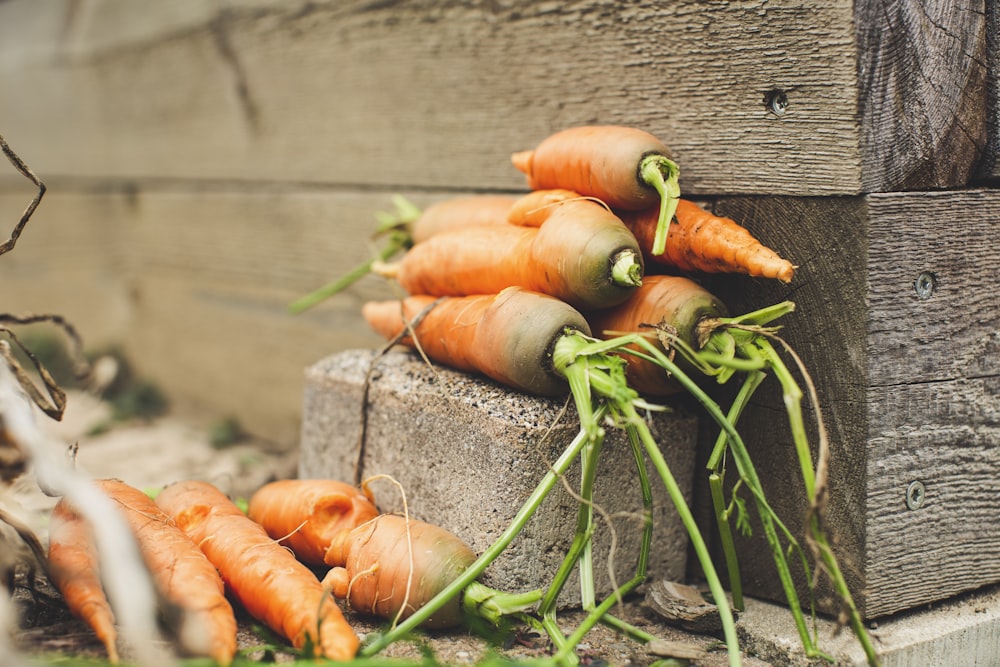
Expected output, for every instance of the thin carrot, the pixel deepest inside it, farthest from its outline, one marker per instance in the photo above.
(270, 583)
(507, 336)
(702, 241)
(625, 167)
(391, 565)
(306, 514)
(75, 572)
(672, 304)
(458, 212)
(408, 225)
(582, 254)
(182, 574)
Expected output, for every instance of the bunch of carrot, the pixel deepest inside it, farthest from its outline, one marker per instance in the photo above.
(517, 287)
(203, 550)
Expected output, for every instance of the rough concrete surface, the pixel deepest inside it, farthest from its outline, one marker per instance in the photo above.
(468, 453)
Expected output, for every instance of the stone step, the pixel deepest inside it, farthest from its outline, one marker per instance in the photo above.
(468, 452)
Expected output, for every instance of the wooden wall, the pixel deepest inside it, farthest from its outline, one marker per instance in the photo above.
(210, 161)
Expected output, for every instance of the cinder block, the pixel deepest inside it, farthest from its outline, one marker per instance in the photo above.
(468, 453)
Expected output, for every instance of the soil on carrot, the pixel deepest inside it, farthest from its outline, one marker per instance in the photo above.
(151, 453)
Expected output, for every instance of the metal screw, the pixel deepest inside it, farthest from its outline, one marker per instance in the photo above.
(916, 494)
(925, 284)
(776, 102)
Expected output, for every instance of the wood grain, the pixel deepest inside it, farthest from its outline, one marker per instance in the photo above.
(423, 95)
(195, 285)
(908, 385)
(923, 101)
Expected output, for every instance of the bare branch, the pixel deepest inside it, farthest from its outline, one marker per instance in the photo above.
(25, 171)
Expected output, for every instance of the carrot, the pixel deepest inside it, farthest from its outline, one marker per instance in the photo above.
(702, 241)
(408, 225)
(625, 167)
(181, 572)
(263, 576)
(582, 254)
(306, 514)
(75, 572)
(672, 303)
(372, 568)
(507, 336)
(458, 212)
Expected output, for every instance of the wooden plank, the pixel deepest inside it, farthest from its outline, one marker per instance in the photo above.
(196, 285)
(420, 95)
(922, 69)
(908, 385)
(989, 167)
(68, 261)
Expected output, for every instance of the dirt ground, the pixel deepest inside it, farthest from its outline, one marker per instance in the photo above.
(152, 453)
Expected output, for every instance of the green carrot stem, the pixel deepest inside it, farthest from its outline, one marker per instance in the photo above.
(306, 302)
(792, 395)
(662, 174)
(793, 403)
(747, 472)
(492, 605)
(726, 540)
(479, 566)
(749, 386)
(626, 269)
(697, 542)
(584, 529)
(840, 586)
(622, 399)
(599, 613)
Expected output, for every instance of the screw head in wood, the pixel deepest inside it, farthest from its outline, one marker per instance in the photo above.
(925, 284)
(776, 101)
(916, 494)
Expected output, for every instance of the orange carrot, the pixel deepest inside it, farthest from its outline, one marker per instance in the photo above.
(625, 167)
(507, 336)
(75, 572)
(372, 568)
(458, 212)
(582, 254)
(673, 303)
(267, 579)
(702, 241)
(306, 514)
(182, 574)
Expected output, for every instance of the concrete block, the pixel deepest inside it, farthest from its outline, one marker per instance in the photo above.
(468, 453)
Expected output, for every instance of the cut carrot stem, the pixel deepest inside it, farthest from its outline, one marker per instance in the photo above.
(626, 269)
(662, 174)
